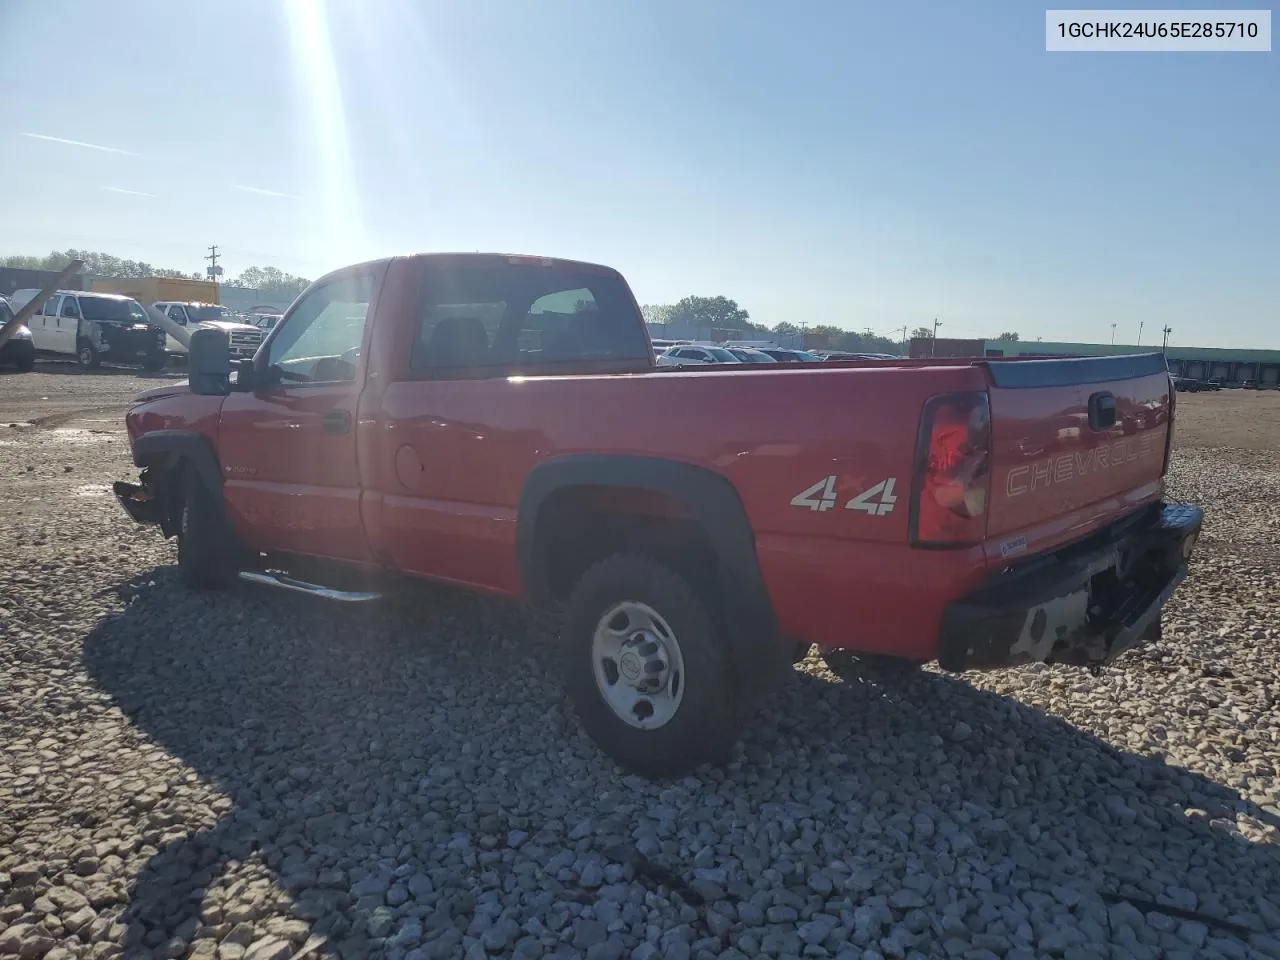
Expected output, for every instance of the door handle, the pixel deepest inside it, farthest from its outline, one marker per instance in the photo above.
(337, 421)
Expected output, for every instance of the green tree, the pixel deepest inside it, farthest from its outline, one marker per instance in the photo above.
(711, 312)
(1008, 335)
(271, 281)
(787, 329)
(658, 312)
(96, 264)
(922, 333)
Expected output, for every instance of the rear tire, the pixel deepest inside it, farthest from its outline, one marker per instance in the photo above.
(646, 669)
(207, 551)
(88, 356)
(26, 364)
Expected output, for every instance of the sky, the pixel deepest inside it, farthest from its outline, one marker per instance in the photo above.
(870, 165)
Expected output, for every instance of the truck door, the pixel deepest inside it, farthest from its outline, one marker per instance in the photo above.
(288, 450)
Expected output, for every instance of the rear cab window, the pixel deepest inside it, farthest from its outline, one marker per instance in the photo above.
(501, 316)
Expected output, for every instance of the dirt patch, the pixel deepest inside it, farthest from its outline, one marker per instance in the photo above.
(1242, 419)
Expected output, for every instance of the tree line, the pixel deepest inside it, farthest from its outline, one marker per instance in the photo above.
(270, 281)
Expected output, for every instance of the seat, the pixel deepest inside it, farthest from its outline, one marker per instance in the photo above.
(457, 342)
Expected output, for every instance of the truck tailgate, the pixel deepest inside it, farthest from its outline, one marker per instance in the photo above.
(1076, 444)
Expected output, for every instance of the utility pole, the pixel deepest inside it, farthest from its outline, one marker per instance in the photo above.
(1141, 324)
(1165, 343)
(933, 342)
(213, 271)
(906, 348)
(1113, 334)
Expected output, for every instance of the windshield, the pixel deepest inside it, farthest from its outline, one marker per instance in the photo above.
(200, 314)
(101, 308)
(721, 355)
(752, 356)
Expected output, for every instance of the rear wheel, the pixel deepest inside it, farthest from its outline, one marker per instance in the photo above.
(27, 363)
(646, 669)
(88, 356)
(207, 551)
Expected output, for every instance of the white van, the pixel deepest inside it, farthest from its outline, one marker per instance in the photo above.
(93, 327)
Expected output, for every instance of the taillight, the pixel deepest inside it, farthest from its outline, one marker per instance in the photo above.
(952, 472)
(1168, 433)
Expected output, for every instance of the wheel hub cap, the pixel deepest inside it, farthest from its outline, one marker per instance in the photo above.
(637, 665)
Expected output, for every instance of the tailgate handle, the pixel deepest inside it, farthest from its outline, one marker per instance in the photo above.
(1102, 411)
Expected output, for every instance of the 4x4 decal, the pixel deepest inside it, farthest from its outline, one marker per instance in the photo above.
(877, 501)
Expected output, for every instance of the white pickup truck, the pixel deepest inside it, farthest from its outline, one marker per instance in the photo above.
(244, 337)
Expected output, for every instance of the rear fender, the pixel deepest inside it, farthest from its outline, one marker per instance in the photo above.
(755, 646)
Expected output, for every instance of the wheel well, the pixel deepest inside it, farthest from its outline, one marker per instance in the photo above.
(578, 526)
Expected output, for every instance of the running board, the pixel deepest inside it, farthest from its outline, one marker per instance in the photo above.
(285, 582)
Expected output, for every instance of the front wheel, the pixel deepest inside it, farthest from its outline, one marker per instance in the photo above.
(26, 363)
(206, 546)
(646, 670)
(88, 356)
(151, 366)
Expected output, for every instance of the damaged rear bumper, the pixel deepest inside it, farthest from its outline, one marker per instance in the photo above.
(1083, 605)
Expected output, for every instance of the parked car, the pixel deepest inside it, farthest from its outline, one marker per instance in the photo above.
(265, 322)
(750, 355)
(244, 337)
(697, 533)
(694, 353)
(20, 349)
(93, 327)
(783, 355)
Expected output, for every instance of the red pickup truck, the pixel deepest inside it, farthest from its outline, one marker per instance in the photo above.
(499, 423)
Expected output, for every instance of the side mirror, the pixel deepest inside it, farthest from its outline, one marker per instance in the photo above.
(209, 363)
(244, 378)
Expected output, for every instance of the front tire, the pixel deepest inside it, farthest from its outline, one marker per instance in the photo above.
(151, 366)
(646, 670)
(88, 356)
(206, 546)
(26, 363)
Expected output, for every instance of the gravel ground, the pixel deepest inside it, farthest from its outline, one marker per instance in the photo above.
(257, 775)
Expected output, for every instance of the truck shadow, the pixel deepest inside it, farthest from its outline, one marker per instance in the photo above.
(362, 742)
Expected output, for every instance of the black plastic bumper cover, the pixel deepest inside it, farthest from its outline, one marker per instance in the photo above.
(137, 502)
(1083, 605)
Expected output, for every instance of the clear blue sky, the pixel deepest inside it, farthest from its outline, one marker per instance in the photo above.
(864, 164)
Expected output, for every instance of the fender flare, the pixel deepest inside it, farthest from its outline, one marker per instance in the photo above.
(167, 448)
(756, 646)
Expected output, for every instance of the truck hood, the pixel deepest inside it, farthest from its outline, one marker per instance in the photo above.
(171, 389)
(230, 326)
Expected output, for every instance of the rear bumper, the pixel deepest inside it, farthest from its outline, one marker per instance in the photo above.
(1083, 605)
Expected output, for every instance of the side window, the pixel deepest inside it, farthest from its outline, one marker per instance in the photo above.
(320, 340)
(50, 308)
(70, 308)
(177, 314)
(492, 315)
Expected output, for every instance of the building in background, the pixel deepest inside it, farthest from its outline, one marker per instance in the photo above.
(14, 278)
